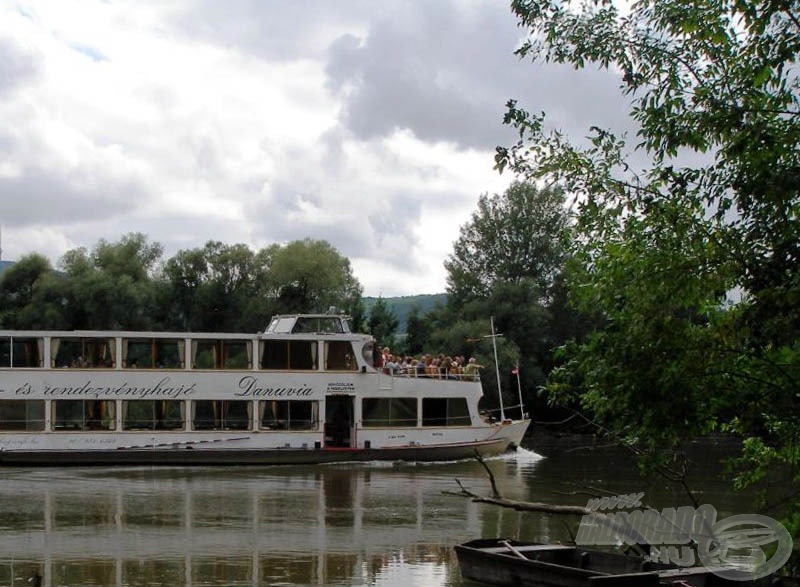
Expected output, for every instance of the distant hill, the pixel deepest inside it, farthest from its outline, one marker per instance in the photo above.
(402, 306)
(5, 265)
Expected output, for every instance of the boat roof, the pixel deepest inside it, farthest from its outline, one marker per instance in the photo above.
(280, 324)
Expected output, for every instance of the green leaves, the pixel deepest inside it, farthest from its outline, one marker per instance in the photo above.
(217, 287)
(689, 265)
(519, 234)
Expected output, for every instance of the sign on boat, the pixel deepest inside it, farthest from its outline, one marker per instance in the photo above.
(306, 390)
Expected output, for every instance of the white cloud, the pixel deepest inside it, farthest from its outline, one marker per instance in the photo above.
(372, 126)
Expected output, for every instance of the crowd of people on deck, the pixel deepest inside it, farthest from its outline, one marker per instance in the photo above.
(439, 367)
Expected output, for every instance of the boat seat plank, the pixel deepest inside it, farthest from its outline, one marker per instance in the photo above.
(638, 579)
(687, 571)
(526, 548)
(649, 577)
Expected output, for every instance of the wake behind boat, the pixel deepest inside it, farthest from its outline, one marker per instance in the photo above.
(306, 390)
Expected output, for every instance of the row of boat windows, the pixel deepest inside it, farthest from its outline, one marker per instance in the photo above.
(73, 415)
(163, 353)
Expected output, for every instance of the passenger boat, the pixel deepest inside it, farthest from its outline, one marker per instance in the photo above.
(306, 390)
(509, 563)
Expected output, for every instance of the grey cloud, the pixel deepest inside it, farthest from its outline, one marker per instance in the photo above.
(395, 223)
(428, 67)
(17, 66)
(273, 30)
(39, 196)
(445, 71)
(181, 231)
(271, 217)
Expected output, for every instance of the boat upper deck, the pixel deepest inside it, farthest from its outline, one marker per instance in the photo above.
(299, 342)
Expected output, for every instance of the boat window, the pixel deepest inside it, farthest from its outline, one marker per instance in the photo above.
(150, 353)
(16, 414)
(153, 415)
(297, 355)
(222, 354)
(329, 324)
(82, 352)
(281, 325)
(339, 356)
(445, 411)
(24, 352)
(221, 414)
(71, 414)
(288, 415)
(390, 411)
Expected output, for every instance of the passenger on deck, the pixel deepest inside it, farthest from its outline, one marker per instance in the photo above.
(433, 368)
(444, 367)
(454, 371)
(391, 366)
(387, 355)
(472, 369)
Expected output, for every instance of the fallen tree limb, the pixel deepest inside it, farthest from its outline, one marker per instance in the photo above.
(616, 526)
(523, 506)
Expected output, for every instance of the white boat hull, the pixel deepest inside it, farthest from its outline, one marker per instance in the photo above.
(307, 397)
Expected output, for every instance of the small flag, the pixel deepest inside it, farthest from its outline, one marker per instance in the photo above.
(515, 370)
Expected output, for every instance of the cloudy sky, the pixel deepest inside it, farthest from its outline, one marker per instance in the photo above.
(370, 124)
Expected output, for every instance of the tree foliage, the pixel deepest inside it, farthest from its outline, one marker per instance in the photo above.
(512, 236)
(506, 264)
(311, 276)
(690, 262)
(210, 288)
(28, 291)
(418, 332)
(382, 324)
(111, 286)
(217, 287)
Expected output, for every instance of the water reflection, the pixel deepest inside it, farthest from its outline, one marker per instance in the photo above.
(335, 525)
(382, 525)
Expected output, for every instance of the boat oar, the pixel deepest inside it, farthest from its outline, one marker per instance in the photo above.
(507, 544)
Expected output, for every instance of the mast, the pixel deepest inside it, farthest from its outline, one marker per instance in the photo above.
(519, 390)
(494, 336)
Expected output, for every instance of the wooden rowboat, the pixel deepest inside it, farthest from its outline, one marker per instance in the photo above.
(509, 563)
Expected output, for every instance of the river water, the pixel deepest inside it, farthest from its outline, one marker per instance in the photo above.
(383, 525)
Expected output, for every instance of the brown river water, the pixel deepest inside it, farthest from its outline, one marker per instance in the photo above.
(376, 524)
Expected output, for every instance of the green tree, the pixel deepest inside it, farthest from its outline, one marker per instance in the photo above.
(382, 324)
(112, 287)
(311, 276)
(218, 288)
(659, 248)
(232, 277)
(30, 295)
(507, 264)
(185, 273)
(417, 332)
(512, 236)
